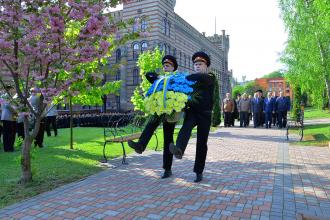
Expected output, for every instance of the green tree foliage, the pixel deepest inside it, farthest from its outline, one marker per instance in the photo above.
(238, 90)
(216, 116)
(307, 53)
(275, 74)
(296, 102)
(251, 87)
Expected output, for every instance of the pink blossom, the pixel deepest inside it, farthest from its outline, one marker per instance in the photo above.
(105, 45)
(54, 10)
(57, 24)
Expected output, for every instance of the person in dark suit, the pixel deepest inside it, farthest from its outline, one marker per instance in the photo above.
(169, 65)
(269, 106)
(198, 114)
(281, 107)
(256, 108)
(263, 116)
(35, 103)
(274, 114)
(8, 118)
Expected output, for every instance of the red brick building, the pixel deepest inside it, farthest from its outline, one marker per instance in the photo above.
(274, 84)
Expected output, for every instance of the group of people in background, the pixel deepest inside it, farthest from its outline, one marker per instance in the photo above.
(12, 123)
(265, 111)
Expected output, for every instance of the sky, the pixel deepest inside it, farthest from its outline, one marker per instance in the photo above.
(255, 29)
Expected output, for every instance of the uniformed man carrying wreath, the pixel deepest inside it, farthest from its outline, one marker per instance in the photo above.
(169, 65)
(198, 114)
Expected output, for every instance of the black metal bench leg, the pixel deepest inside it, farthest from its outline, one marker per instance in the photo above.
(124, 155)
(302, 133)
(105, 158)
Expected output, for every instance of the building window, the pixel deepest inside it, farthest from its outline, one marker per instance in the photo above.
(180, 60)
(118, 103)
(144, 25)
(118, 75)
(136, 48)
(185, 61)
(144, 47)
(169, 28)
(165, 48)
(174, 52)
(165, 26)
(136, 25)
(135, 76)
(118, 55)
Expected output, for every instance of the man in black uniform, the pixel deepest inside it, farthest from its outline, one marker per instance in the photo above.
(169, 65)
(198, 114)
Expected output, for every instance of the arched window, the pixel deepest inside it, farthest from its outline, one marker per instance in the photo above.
(118, 75)
(165, 26)
(144, 25)
(144, 47)
(136, 48)
(118, 55)
(135, 76)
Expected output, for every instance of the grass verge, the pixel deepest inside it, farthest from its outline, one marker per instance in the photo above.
(315, 135)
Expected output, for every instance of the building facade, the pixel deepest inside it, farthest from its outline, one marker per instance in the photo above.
(275, 85)
(172, 34)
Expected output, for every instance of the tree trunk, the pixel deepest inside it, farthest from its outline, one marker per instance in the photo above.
(71, 123)
(26, 148)
(26, 161)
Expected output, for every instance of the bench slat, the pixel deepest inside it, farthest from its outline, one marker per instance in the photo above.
(125, 138)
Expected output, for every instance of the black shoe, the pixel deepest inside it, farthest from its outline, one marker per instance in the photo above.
(136, 146)
(199, 177)
(167, 174)
(176, 151)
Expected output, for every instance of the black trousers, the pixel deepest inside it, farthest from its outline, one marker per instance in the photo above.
(20, 130)
(40, 136)
(268, 120)
(168, 131)
(282, 120)
(51, 120)
(257, 119)
(243, 119)
(227, 118)
(9, 133)
(203, 122)
(274, 118)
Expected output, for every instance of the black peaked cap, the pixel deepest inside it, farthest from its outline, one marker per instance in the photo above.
(170, 59)
(201, 56)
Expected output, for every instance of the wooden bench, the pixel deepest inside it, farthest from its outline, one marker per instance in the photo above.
(120, 130)
(296, 123)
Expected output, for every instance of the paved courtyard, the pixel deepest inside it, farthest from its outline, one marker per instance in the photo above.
(250, 174)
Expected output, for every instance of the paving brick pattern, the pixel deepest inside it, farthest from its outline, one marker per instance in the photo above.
(250, 174)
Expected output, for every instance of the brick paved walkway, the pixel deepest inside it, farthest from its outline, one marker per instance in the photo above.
(250, 174)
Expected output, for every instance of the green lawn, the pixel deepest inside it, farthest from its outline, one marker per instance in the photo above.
(55, 164)
(316, 135)
(314, 113)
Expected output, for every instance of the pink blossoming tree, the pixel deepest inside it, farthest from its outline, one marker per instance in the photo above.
(53, 45)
